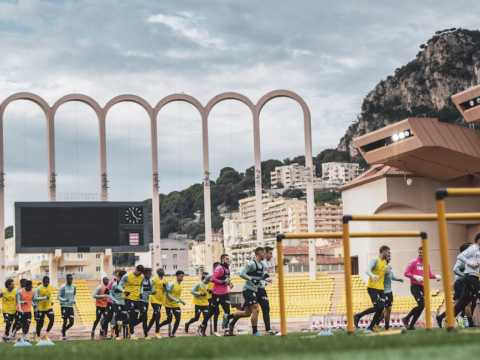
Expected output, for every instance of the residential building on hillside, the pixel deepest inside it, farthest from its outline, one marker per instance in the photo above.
(338, 173)
(328, 219)
(296, 258)
(236, 230)
(197, 258)
(289, 175)
(11, 259)
(243, 253)
(174, 256)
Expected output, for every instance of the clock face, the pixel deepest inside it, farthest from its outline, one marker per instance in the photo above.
(133, 215)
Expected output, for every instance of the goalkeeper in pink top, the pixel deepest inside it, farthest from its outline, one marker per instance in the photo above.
(220, 296)
(414, 271)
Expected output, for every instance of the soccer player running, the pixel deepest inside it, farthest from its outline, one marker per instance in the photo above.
(131, 283)
(111, 314)
(66, 295)
(101, 301)
(157, 300)
(118, 306)
(262, 293)
(173, 301)
(387, 284)
(216, 310)
(44, 295)
(16, 323)
(147, 290)
(470, 257)
(376, 274)
(25, 298)
(253, 273)
(414, 271)
(9, 303)
(200, 300)
(220, 296)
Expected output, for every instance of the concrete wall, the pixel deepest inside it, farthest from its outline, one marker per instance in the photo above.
(392, 196)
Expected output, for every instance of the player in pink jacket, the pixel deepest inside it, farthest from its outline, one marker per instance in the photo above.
(414, 271)
(220, 296)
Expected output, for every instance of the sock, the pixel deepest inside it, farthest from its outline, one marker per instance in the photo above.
(387, 325)
(255, 330)
(23, 337)
(470, 322)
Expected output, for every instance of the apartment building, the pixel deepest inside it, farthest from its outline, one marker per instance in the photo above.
(236, 230)
(197, 258)
(289, 175)
(335, 173)
(241, 254)
(328, 219)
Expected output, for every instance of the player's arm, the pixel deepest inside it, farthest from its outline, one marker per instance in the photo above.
(207, 279)
(61, 294)
(246, 269)
(194, 291)
(74, 294)
(19, 300)
(457, 269)
(371, 265)
(141, 287)
(1, 294)
(122, 283)
(170, 287)
(152, 288)
(216, 274)
(408, 270)
(433, 276)
(97, 291)
(394, 278)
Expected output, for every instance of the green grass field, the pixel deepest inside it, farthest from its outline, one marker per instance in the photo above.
(418, 344)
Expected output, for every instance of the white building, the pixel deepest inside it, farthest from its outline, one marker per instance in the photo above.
(235, 230)
(289, 175)
(335, 174)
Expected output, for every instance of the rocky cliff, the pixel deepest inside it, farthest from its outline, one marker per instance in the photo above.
(447, 64)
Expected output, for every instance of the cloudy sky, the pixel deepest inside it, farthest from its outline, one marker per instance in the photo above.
(330, 53)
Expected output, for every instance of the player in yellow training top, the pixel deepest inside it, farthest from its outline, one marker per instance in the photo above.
(376, 272)
(131, 286)
(157, 300)
(9, 307)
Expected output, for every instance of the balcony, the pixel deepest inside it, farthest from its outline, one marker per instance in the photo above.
(76, 262)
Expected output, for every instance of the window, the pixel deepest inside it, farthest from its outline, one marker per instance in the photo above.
(67, 269)
(79, 256)
(175, 256)
(165, 267)
(67, 256)
(99, 256)
(80, 269)
(175, 267)
(98, 269)
(164, 256)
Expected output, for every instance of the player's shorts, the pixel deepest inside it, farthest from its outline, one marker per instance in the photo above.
(131, 305)
(142, 307)
(377, 296)
(102, 311)
(67, 312)
(201, 309)
(389, 299)
(417, 292)
(8, 318)
(458, 288)
(25, 317)
(223, 299)
(262, 295)
(250, 297)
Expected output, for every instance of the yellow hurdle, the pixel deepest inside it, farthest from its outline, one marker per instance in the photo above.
(346, 235)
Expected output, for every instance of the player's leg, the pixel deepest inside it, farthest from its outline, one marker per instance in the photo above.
(26, 320)
(143, 308)
(378, 300)
(168, 320)
(65, 316)
(51, 319)
(177, 312)
(98, 317)
(132, 313)
(460, 306)
(71, 319)
(40, 322)
(8, 318)
(198, 311)
(17, 325)
(357, 317)
(417, 311)
(214, 307)
(265, 306)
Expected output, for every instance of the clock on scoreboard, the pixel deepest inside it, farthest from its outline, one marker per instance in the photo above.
(42, 227)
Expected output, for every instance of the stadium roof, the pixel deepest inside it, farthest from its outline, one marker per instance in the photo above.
(425, 147)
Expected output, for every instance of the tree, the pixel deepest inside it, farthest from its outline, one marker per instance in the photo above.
(279, 185)
(217, 222)
(329, 155)
(9, 232)
(123, 259)
(323, 197)
(170, 225)
(200, 238)
(293, 193)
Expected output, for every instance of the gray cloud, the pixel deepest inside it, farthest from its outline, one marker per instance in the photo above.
(331, 54)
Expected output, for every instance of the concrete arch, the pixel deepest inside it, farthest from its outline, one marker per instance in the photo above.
(26, 96)
(385, 207)
(178, 97)
(282, 93)
(229, 96)
(133, 98)
(78, 97)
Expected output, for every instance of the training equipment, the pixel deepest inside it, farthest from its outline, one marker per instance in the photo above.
(22, 343)
(325, 333)
(45, 343)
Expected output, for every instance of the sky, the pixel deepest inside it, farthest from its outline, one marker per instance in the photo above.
(330, 53)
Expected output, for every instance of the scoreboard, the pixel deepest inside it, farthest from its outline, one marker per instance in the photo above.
(42, 227)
